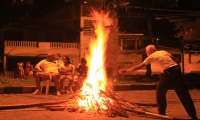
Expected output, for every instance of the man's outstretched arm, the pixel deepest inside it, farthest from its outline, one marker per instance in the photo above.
(132, 69)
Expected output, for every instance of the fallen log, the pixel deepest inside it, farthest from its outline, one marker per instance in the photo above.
(23, 110)
(150, 114)
(18, 106)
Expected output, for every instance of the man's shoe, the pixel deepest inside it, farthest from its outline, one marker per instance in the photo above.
(162, 113)
(194, 118)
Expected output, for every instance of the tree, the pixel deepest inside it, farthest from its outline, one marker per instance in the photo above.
(13, 12)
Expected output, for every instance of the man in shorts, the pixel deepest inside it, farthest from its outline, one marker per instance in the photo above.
(47, 69)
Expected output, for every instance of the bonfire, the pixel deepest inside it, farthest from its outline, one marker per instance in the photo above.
(95, 98)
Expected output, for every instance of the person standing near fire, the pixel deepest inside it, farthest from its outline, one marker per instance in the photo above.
(80, 74)
(169, 66)
(66, 71)
(28, 69)
(20, 67)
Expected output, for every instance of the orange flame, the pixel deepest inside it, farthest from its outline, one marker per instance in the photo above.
(96, 79)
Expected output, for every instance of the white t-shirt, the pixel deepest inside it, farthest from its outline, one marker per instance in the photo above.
(160, 59)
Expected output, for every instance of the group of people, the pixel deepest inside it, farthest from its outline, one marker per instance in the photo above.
(21, 72)
(168, 65)
(60, 71)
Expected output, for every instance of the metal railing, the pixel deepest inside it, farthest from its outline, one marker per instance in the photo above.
(21, 43)
(63, 45)
(9, 74)
(36, 44)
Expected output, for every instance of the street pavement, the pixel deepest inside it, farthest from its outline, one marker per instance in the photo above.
(143, 98)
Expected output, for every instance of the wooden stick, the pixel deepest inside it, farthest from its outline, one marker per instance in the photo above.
(25, 110)
(149, 113)
(5, 107)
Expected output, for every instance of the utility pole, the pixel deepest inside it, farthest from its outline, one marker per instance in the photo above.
(149, 24)
(182, 53)
(149, 21)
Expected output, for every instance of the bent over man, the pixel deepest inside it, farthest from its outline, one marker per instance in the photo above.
(170, 67)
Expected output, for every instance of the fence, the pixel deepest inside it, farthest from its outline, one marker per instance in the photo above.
(21, 43)
(36, 44)
(63, 45)
(9, 74)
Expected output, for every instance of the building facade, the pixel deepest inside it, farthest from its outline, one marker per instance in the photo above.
(69, 31)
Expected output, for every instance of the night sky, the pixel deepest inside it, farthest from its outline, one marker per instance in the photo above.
(131, 19)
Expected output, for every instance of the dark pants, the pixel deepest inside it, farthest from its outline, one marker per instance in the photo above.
(173, 76)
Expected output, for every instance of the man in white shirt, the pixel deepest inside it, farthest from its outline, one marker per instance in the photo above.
(47, 69)
(170, 67)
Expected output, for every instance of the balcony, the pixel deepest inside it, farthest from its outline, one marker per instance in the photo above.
(30, 48)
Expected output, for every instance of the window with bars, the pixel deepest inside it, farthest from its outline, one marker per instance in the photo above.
(88, 28)
(133, 44)
(128, 44)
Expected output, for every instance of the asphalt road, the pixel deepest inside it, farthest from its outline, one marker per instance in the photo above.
(146, 97)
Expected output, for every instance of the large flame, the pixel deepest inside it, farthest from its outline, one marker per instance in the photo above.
(96, 79)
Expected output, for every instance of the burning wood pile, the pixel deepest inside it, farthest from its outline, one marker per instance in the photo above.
(102, 102)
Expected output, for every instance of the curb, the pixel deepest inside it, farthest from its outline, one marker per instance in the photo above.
(30, 89)
(20, 90)
(120, 87)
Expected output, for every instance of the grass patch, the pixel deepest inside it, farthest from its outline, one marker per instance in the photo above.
(9, 82)
(6, 81)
